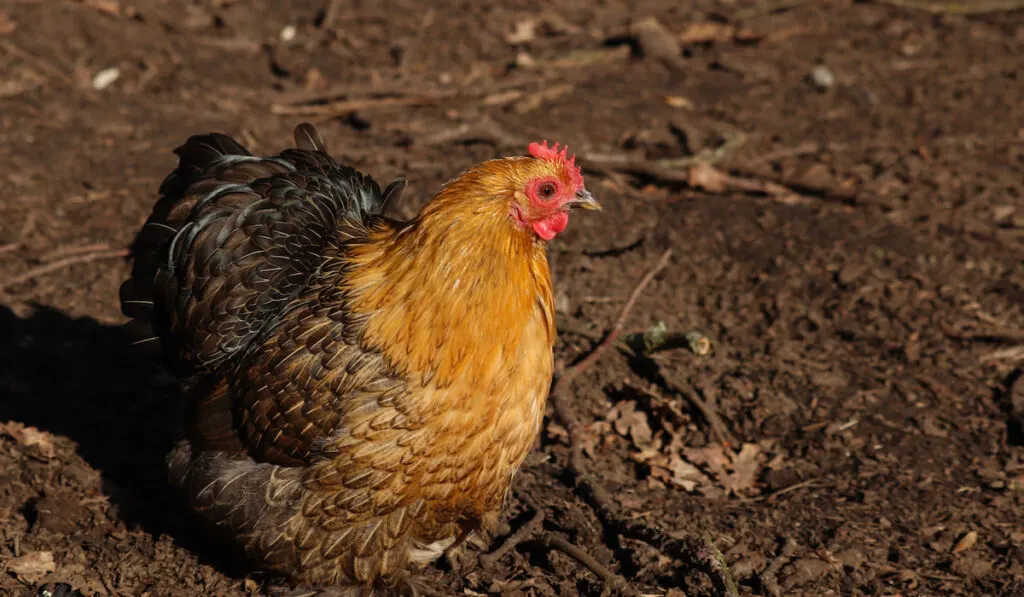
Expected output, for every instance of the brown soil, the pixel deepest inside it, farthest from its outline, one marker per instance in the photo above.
(864, 316)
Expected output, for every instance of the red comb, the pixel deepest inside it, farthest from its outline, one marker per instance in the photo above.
(541, 151)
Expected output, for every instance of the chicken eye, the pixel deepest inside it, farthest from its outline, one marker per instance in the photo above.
(546, 190)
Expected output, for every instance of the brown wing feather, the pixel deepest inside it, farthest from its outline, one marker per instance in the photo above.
(229, 248)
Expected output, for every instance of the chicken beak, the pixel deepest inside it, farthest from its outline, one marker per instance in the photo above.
(584, 200)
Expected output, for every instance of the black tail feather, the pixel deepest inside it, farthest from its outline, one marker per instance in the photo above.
(195, 156)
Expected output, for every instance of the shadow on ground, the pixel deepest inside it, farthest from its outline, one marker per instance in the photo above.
(85, 380)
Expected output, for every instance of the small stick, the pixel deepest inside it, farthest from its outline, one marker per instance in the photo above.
(61, 264)
(974, 7)
(572, 372)
(526, 531)
(610, 579)
(69, 251)
(1012, 336)
(36, 61)
(710, 414)
(592, 491)
(354, 105)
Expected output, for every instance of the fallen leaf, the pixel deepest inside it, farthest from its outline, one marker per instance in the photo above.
(33, 565)
(30, 436)
(705, 176)
(314, 80)
(707, 31)
(631, 423)
(685, 475)
(744, 466)
(656, 42)
(523, 32)
(6, 24)
(535, 100)
(108, 7)
(736, 472)
(966, 542)
(678, 101)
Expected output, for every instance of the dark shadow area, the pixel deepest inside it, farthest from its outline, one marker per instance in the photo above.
(85, 380)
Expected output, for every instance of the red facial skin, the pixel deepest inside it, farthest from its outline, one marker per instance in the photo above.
(547, 197)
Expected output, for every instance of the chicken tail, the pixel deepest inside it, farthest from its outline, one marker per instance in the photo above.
(235, 237)
(195, 156)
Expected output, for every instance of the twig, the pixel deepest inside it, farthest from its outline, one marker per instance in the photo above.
(489, 560)
(974, 7)
(710, 414)
(719, 559)
(69, 251)
(1014, 353)
(592, 491)
(805, 148)
(1014, 336)
(61, 264)
(694, 171)
(36, 61)
(336, 108)
(572, 372)
(767, 7)
(331, 13)
(610, 579)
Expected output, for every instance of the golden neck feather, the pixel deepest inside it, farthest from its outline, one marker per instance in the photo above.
(450, 294)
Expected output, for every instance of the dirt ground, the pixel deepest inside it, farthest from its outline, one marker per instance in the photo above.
(840, 184)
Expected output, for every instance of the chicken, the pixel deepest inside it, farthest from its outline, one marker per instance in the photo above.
(358, 393)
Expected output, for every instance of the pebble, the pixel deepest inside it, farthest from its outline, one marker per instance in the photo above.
(822, 77)
(105, 78)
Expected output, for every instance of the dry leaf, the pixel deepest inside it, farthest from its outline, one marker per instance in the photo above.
(33, 565)
(631, 423)
(108, 7)
(705, 176)
(30, 436)
(698, 33)
(686, 475)
(656, 42)
(524, 31)
(744, 467)
(7, 25)
(535, 100)
(735, 472)
(678, 101)
(314, 80)
(966, 542)
(593, 435)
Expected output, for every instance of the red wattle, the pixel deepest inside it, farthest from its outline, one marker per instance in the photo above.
(550, 226)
